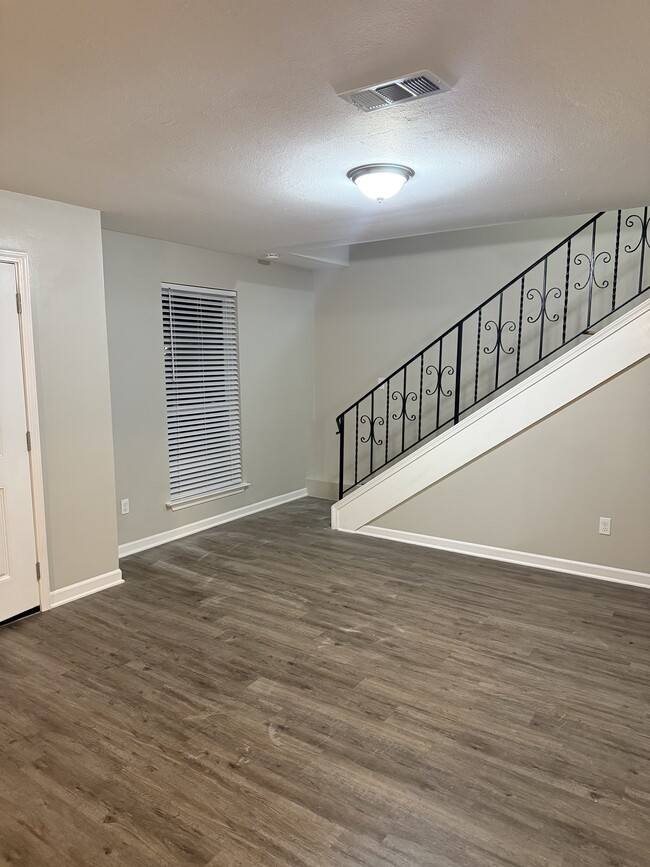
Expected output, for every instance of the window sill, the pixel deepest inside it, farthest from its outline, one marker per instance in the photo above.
(206, 498)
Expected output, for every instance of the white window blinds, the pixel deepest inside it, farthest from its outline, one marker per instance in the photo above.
(202, 390)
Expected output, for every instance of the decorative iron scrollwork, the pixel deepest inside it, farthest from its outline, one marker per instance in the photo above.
(403, 413)
(555, 292)
(583, 257)
(438, 387)
(507, 326)
(619, 279)
(644, 223)
(377, 420)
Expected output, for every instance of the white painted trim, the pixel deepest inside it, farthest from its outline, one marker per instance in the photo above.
(20, 263)
(85, 588)
(138, 545)
(616, 347)
(505, 555)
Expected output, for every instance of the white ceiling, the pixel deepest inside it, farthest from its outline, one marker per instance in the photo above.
(217, 123)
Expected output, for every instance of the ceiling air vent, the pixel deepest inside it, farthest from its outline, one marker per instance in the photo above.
(399, 90)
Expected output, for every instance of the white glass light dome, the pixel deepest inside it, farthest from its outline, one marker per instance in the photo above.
(380, 181)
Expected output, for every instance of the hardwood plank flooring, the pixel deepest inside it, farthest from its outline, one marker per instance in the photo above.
(272, 693)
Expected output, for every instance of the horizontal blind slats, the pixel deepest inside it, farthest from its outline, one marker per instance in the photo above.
(192, 493)
(200, 479)
(201, 367)
(208, 459)
(199, 475)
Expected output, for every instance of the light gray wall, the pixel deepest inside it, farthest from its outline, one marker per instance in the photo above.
(277, 372)
(544, 491)
(63, 243)
(395, 297)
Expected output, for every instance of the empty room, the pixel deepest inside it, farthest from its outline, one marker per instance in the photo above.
(324, 433)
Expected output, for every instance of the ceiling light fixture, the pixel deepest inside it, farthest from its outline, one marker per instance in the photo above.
(380, 181)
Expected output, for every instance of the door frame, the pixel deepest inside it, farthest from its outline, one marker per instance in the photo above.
(21, 269)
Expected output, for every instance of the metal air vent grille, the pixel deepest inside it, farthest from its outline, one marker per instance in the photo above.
(422, 85)
(386, 94)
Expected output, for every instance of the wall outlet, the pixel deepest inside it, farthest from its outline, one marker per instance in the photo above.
(124, 507)
(605, 526)
(381, 383)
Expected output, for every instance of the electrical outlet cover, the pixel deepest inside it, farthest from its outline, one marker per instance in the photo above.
(605, 526)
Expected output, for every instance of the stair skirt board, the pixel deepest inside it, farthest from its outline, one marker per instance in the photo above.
(505, 555)
(609, 352)
(147, 542)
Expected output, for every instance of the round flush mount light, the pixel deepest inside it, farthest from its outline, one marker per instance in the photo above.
(380, 181)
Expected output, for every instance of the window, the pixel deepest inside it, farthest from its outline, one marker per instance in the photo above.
(202, 392)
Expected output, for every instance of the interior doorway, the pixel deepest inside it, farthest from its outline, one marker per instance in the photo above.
(23, 563)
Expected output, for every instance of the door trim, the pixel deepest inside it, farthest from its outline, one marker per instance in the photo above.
(21, 267)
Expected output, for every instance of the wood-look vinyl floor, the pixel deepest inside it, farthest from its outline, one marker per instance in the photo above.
(272, 693)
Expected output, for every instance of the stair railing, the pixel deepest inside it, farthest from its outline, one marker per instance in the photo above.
(579, 283)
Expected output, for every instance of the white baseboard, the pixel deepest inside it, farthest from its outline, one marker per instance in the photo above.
(138, 545)
(85, 588)
(520, 558)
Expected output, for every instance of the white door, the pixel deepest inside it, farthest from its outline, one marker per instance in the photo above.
(18, 580)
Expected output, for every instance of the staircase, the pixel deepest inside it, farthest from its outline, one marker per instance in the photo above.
(572, 319)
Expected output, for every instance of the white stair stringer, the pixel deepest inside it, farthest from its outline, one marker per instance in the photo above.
(610, 351)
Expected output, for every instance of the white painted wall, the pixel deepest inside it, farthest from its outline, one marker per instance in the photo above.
(277, 375)
(64, 246)
(543, 491)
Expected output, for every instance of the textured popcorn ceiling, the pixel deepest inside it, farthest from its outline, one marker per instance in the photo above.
(217, 123)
